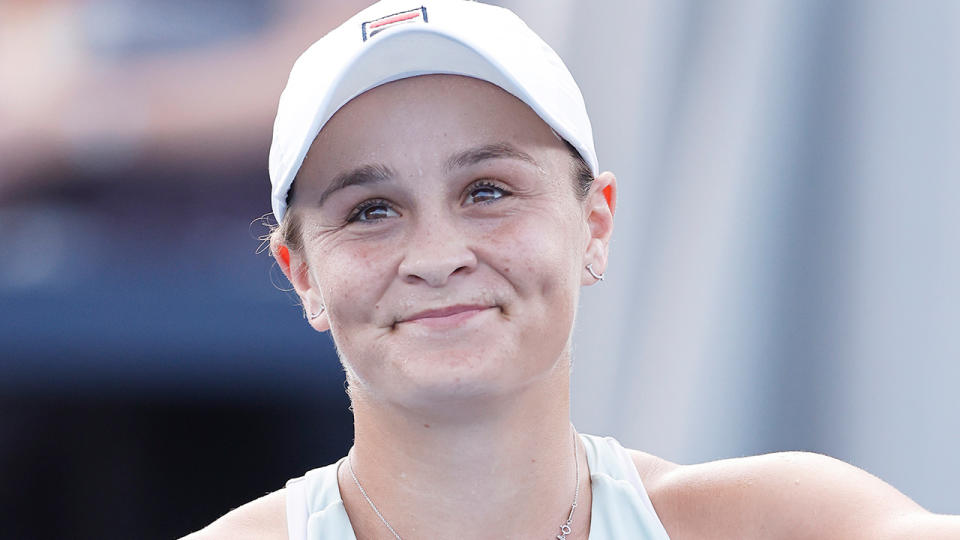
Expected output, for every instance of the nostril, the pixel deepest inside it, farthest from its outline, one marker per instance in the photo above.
(435, 263)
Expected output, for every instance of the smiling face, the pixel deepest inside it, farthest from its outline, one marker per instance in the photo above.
(441, 231)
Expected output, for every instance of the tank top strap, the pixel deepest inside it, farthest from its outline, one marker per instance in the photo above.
(621, 507)
(314, 507)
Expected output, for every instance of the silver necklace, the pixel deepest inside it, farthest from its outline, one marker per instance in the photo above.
(564, 529)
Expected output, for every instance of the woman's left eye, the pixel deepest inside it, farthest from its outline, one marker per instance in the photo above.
(485, 192)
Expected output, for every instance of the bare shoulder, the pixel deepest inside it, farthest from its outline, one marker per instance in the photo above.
(263, 518)
(789, 494)
(652, 469)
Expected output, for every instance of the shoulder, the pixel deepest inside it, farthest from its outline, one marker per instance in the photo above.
(787, 494)
(264, 518)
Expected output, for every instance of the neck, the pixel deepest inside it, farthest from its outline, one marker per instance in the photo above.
(507, 471)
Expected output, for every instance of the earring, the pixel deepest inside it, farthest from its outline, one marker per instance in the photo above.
(318, 313)
(598, 277)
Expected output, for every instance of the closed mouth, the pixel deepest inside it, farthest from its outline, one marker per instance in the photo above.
(444, 312)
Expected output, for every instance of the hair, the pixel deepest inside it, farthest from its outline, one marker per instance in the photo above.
(289, 232)
(582, 173)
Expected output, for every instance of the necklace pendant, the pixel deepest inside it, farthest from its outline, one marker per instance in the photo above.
(564, 531)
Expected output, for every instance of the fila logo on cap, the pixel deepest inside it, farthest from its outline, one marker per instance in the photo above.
(374, 27)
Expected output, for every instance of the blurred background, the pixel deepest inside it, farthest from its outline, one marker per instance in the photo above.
(784, 273)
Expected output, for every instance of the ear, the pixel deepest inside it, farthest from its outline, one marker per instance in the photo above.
(295, 268)
(599, 208)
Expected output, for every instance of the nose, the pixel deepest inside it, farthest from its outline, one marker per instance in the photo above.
(434, 252)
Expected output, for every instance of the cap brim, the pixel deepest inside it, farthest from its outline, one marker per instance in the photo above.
(400, 54)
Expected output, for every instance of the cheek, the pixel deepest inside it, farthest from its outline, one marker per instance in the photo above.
(538, 257)
(357, 257)
(351, 276)
(539, 253)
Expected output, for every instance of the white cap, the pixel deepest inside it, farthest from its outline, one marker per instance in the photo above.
(397, 39)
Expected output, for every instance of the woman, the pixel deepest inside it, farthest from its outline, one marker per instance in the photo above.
(440, 207)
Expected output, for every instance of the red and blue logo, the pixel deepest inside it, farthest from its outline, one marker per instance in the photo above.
(374, 27)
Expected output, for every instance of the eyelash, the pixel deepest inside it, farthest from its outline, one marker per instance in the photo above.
(490, 185)
(480, 184)
(363, 207)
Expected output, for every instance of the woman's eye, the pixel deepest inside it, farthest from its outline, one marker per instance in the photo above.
(372, 211)
(482, 193)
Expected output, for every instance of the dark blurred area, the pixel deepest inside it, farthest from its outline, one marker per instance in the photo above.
(154, 373)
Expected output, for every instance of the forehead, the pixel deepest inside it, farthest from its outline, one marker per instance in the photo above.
(423, 120)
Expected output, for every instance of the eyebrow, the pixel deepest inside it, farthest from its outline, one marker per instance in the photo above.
(363, 175)
(486, 152)
(379, 173)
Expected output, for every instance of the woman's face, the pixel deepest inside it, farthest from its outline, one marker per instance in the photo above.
(442, 233)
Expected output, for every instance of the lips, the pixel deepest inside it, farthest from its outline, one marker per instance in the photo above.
(446, 317)
(443, 312)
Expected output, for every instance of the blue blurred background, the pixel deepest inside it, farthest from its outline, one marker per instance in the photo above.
(784, 273)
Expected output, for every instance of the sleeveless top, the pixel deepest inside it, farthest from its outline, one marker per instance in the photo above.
(620, 508)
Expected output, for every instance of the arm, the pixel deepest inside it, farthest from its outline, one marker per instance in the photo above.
(789, 495)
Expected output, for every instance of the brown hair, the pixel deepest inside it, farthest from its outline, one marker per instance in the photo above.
(582, 174)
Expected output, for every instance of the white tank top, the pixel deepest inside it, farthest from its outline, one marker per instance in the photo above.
(620, 508)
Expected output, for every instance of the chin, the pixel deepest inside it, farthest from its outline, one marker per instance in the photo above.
(452, 376)
(463, 371)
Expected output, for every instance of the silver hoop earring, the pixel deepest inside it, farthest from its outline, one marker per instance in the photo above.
(318, 313)
(598, 277)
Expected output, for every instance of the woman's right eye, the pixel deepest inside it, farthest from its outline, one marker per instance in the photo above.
(372, 211)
